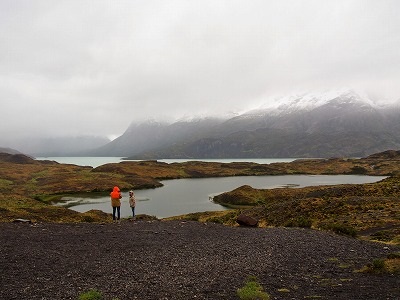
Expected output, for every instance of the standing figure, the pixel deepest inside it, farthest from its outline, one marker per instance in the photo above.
(132, 203)
(116, 203)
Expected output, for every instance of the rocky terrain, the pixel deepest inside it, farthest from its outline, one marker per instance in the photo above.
(186, 260)
(58, 253)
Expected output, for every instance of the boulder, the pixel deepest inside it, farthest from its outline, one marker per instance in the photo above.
(22, 221)
(245, 220)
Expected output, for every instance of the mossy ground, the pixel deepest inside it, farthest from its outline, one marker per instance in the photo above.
(370, 211)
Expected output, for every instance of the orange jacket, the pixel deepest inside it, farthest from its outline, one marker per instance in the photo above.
(115, 197)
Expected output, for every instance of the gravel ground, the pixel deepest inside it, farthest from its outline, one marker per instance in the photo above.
(185, 260)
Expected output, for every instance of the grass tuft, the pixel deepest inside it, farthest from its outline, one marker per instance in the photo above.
(389, 265)
(252, 290)
(91, 295)
(341, 229)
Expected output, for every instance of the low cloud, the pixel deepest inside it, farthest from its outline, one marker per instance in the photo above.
(93, 67)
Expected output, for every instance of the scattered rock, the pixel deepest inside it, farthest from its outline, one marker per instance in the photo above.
(180, 261)
(245, 220)
(22, 221)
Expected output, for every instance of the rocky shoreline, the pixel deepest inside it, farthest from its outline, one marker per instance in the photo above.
(186, 260)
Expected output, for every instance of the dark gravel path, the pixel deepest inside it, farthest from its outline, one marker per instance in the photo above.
(185, 260)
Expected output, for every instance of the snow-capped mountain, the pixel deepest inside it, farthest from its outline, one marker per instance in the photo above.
(338, 123)
(301, 102)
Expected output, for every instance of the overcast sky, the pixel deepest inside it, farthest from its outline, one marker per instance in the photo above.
(92, 67)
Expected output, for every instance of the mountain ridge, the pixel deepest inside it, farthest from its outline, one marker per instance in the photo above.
(343, 125)
(330, 124)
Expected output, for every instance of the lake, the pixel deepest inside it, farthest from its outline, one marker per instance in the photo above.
(182, 196)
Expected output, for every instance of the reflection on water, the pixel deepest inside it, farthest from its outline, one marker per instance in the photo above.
(80, 200)
(182, 196)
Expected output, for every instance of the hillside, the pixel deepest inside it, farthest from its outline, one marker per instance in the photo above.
(293, 252)
(56, 146)
(334, 125)
(27, 187)
(9, 151)
(140, 137)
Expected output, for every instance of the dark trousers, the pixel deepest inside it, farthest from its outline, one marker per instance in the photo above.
(118, 209)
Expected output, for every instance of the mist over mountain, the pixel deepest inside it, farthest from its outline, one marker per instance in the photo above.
(9, 151)
(141, 137)
(310, 125)
(58, 146)
(332, 124)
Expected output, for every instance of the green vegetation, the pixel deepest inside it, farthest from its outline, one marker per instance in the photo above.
(252, 290)
(359, 170)
(91, 295)
(226, 217)
(299, 221)
(394, 255)
(340, 229)
(368, 211)
(378, 265)
(390, 265)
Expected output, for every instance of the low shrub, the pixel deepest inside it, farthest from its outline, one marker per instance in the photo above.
(91, 295)
(217, 220)
(390, 265)
(227, 217)
(395, 255)
(358, 170)
(340, 229)
(383, 236)
(302, 222)
(252, 290)
(87, 219)
(378, 264)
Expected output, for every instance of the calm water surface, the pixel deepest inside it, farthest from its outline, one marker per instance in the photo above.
(182, 196)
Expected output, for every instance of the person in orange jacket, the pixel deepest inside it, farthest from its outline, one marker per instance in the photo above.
(116, 203)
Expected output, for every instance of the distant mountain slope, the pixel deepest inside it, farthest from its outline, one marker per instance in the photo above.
(9, 150)
(17, 158)
(344, 124)
(59, 146)
(153, 135)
